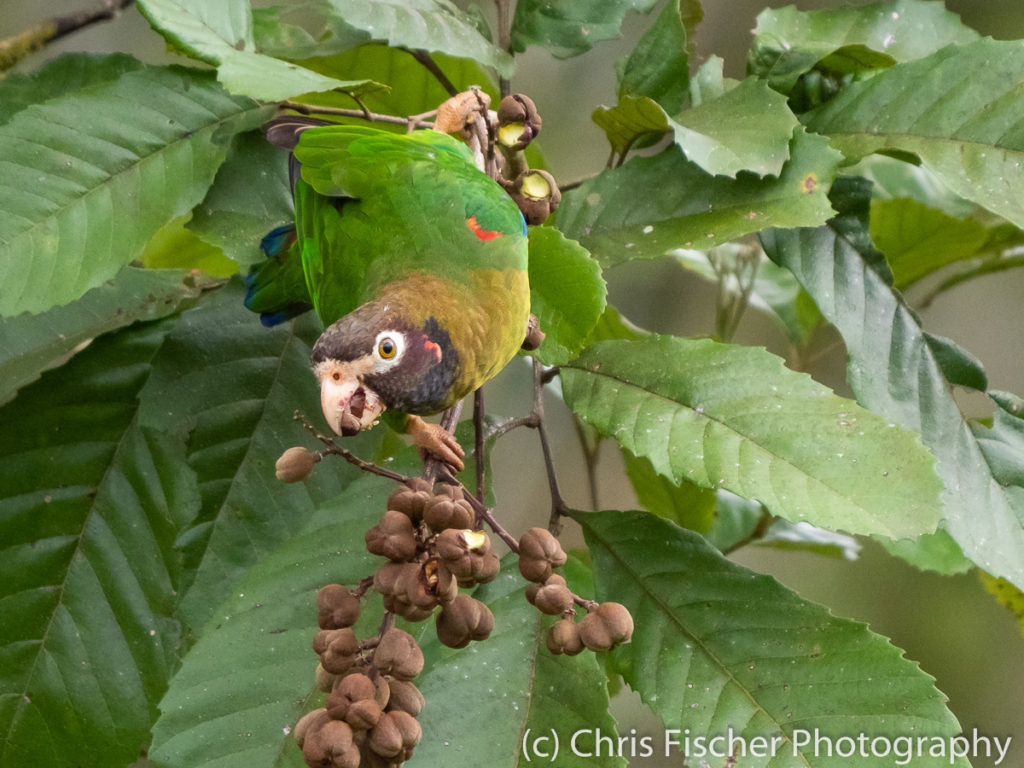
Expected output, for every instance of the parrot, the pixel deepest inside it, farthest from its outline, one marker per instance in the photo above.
(415, 262)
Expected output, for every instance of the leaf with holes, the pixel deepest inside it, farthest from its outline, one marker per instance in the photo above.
(92, 505)
(108, 166)
(717, 647)
(724, 416)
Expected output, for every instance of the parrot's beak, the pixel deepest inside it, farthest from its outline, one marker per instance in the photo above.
(349, 406)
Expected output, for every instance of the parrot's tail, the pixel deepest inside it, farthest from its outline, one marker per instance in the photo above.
(277, 286)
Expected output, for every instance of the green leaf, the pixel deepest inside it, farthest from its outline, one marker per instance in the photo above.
(788, 42)
(894, 372)
(931, 552)
(629, 212)
(432, 25)
(107, 167)
(231, 388)
(174, 246)
(29, 344)
(570, 27)
(567, 293)
(731, 417)
(249, 197)
(633, 122)
(92, 504)
(685, 504)
(717, 647)
(918, 240)
(249, 678)
(802, 537)
(659, 65)
(63, 75)
(221, 34)
(415, 89)
(516, 687)
(956, 110)
(1003, 446)
(747, 128)
(959, 367)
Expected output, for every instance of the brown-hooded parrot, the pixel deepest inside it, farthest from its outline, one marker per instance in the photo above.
(415, 262)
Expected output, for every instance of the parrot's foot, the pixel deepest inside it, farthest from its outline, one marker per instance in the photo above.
(436, 441)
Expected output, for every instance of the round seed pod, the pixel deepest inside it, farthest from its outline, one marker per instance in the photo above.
(409, 499)
(463, 620)
(336, 607)
(349, 689)
(486, 567)
(553, 599)
(448, 509)
(395, 734)
(536, 194)
(296, 464)
(606, 626)
(539, 552)
(534, 588)
(325, 680)
(564, 637)
(331, 746)
(518, 121)
(405, 697)
(340, 654)
(393, 537)
(398, 655)
(309, 722)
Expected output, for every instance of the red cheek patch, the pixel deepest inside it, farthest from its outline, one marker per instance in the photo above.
(483, 234)
(433, 348)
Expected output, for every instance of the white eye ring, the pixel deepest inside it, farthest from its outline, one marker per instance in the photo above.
(388, 348)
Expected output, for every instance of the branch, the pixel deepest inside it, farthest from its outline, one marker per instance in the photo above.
(333, 449)
(15, 48)
(362, 114)
(427, 61)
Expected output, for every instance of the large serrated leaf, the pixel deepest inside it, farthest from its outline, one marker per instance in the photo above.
(632, 212)
(958, 110)
(63, 75)
(232, 387)
(221, 33)
(31, 343)
(90, 508)
(521, 693)
(731, 417)
(567, 293)
(86, 179)
(789, 42)
(432, 25)
(894, 371)
(659, 65)
(570, 27)
(247, 681)
(717, 647)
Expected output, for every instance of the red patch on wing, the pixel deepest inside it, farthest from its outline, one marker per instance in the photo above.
(483, 234)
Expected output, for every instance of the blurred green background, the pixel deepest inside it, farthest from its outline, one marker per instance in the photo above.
(951, 626)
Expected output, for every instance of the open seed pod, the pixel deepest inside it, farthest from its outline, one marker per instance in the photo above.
(518, 121)
(536, 193)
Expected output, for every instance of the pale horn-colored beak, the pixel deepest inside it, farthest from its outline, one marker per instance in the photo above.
(348, 406)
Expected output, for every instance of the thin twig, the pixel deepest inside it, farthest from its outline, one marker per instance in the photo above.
(15, 48)
(362, 114)
(763, 524)
(427, 61)
(479, 445)
(333, 449)
(503, 9)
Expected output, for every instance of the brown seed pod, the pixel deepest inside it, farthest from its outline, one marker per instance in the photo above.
(342, 647)
(534, 335)
(564, 637)
(409, 499)
(395, 735)
(539, 552)
(337, 607)
(398, 655)
(296, 464)
(534, 588)
(536, 193)
(405, 697)
(463, 552)
(309, 722)
(553, 599)
(440, 580)
(442, 512)
(485, 568)
(325, 680)
(518, 121)
(393, 537)
(349, 689)
(463, 620)
(330, 746)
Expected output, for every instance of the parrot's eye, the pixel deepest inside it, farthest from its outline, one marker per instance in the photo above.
(386, 348)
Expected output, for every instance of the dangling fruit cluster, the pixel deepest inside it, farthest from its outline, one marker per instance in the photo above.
(370, 716)
(605, 625)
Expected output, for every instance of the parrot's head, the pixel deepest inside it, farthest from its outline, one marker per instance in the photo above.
(375, 358)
